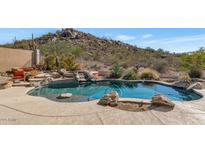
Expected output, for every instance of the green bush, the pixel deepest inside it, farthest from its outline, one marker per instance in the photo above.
(50, 62)
(131, 75)
(193, 60)
(69, 63)
(149, 74)
(116, 71)
(195, 72)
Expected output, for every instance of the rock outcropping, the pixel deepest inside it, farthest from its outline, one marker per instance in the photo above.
(182, 84)
(110, 99)
(160, 100)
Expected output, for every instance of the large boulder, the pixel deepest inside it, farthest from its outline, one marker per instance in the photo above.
(35, 84)
(105, 100)
(110, 99)
(69, 33)
(160, 100)
(56, 75)
(182, 84)
(46, 81)
(114, 96)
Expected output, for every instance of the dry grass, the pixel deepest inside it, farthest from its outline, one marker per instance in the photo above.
(148, 73)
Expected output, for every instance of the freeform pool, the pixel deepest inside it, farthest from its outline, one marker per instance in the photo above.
(95, 90)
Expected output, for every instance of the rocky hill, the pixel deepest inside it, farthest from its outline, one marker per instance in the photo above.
(103, 50)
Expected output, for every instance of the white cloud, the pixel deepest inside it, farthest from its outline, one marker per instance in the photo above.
(180, 39)
(147, 36)
(124, 37)
(185, 39)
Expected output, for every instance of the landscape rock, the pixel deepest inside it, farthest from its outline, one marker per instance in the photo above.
(35, 84)
(46, 81)
(70, 33)
(65, 95)
(114, 96)
(105, 100)
(5, 84)
(182, 84)
(113, 104)
(110, 99)
(56, 75)
(162, 101)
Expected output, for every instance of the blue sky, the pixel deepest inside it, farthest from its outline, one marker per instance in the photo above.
(171, 39)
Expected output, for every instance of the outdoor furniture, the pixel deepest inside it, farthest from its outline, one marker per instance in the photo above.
(18, 74)
(28, 69)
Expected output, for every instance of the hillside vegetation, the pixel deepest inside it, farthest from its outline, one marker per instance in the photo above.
(84, 47)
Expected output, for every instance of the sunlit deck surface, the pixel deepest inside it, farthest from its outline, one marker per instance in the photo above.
(16, 107)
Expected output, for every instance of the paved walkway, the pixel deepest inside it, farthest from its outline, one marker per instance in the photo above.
(16, 107)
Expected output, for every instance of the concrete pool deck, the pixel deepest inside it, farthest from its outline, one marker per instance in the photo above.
(16, 107)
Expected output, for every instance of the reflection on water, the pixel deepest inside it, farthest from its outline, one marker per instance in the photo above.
(90, 91)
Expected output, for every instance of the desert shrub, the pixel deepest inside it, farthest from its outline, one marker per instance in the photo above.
(50, 62)
(194, 59)
(184, 77)
(23, 44)
(195, 72)
(96, 56)
(27, 76)
(116, 71)
(149, 74)
(124, 65)
(131, 75)
(160, 66)
(34, 72)
(69, 63)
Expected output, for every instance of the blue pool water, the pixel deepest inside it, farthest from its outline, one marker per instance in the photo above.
(91, 91)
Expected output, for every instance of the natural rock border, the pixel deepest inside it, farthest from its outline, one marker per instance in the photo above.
(160, 100)
(110, 99)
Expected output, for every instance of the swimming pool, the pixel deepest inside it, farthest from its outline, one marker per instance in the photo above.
(95, 90)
